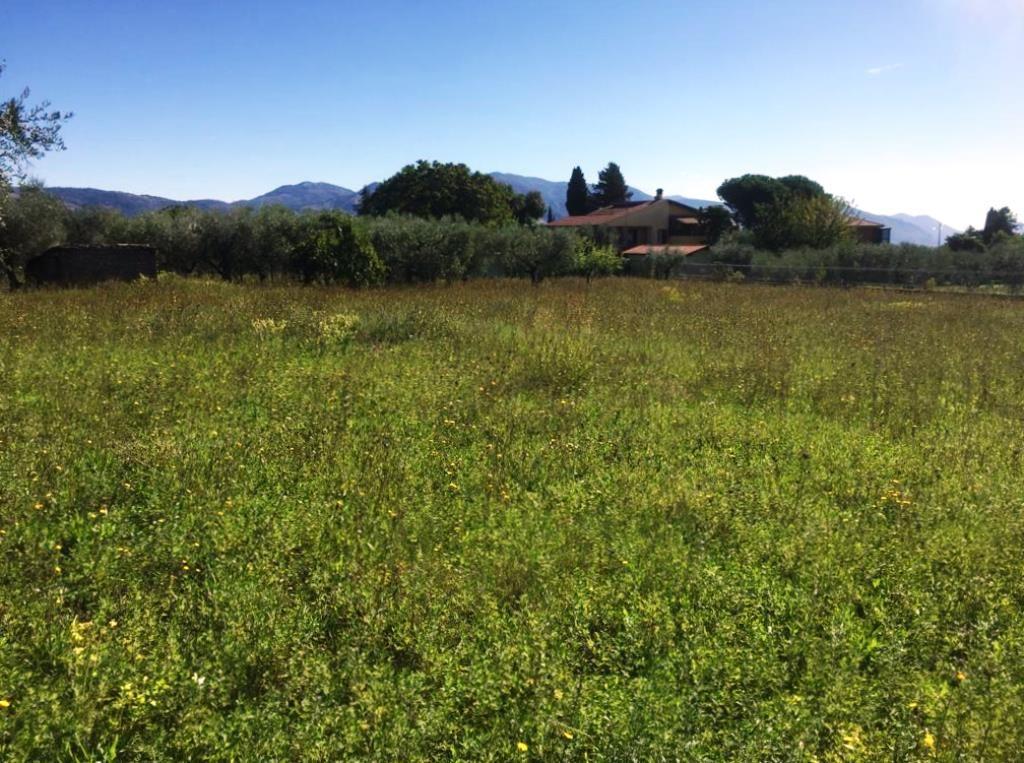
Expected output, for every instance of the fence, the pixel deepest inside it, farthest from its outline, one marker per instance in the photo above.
(837, 275)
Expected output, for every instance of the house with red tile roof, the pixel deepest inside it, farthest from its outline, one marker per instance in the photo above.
(870, 232)
(665, 226)
(639, 228)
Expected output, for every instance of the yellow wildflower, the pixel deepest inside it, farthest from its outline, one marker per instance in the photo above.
(5, 703)
(928, 741)
(522, 746)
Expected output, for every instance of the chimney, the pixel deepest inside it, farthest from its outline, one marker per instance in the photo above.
(658, 196)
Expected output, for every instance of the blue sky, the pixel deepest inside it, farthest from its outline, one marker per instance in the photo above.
(899, 106)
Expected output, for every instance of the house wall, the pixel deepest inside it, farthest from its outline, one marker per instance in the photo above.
(653, 218)
(76, 266)
(871, 234)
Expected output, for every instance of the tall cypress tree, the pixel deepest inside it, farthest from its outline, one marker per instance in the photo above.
(577, 197)
(611, 187)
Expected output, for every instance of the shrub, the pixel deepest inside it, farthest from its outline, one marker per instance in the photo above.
(334, 247)
(534, 253)
(337, 330)
(592, 259)
(417, 250)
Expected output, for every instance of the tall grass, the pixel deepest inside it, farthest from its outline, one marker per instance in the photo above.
(625, 521)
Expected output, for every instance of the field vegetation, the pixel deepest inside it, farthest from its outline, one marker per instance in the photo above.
(492, 521)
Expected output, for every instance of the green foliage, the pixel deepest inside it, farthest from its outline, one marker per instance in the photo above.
(904, 265)
(532, 253)
(1000, 226)
(793, 222)
(969, 241)
(594, 260)
(273, 242)
(715, 222)
(32, 221)
(999, 222)
(336, 248)
(417, 250)
(91, 226)
(801, 187)
(436, 190)
(786, 213)
(746, 195)
(26, 132)
(528, 208)
(611, 187)
(636, 521)
(578, 200)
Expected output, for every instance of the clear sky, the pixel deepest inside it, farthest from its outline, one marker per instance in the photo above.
(898, 105)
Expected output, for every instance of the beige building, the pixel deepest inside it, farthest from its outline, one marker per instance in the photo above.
(637, 228)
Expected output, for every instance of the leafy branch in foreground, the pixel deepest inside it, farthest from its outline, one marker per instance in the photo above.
(26, 133)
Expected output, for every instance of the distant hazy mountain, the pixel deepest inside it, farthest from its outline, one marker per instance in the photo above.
(930, 225)
(910, 229)
(127, 203)
(307, 196)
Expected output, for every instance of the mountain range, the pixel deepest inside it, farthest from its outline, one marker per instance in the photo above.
(307, 196)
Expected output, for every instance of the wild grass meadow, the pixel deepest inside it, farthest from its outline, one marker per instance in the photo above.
(626, 521)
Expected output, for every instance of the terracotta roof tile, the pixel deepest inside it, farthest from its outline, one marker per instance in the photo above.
(684, 250)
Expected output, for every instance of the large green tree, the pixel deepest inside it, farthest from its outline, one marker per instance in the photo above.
(998, 221)
(528, 207)
(611, 187)
(802, 222)
(715, 221)
(968, 241)
(336, 248)
(801, 186)
(743, 195)
(787, 212)
(436, 190)
(577, 195)
(31, 221)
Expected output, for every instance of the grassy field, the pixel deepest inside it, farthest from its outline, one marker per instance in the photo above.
(629, 521)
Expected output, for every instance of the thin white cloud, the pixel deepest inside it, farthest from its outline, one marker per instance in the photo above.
(879, 70)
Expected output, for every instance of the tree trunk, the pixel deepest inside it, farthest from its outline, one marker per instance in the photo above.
(12, 278)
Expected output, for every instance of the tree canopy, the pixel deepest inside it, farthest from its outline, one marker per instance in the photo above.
(30, 222)
(577, 195)
(528, 208)
(998, 221)
(744, 194)
(611, 187)
(786, 212)
(999, 224)
(798, 221)
(436, 190)
(801, 186)
(715, 222)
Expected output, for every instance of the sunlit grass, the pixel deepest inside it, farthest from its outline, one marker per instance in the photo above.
(625, 521)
